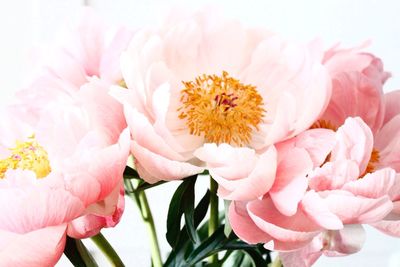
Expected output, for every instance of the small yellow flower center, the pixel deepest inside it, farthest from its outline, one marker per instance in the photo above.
(221, 108)
(27, 155)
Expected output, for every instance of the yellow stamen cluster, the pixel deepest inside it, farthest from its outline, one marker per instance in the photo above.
(221, 108)
(27, 155)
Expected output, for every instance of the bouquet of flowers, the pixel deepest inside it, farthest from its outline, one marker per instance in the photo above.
(299, 143)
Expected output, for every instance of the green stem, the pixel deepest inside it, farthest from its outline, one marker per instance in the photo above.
(276, 263)
(141, 200)
(105, 247)
(213, 222)
(78, 254)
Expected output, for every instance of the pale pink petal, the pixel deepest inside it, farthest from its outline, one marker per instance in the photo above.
(106, 112)
(160, 168)
(390, 225)
(109, 68)
(392, 107)
(90, 224)
(36, 206)
(352, 209)
(387, 142)
(144, 134)
(354, 142)
(295, 229)
(291, 182)
(318, 143)
(241, 174)
(348, 240)
(305, 256)
(243, 226)
(42, 247)
(318, 211)
(372, 185)
(333, 175)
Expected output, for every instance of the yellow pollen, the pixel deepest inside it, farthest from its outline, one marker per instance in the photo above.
(324, 124)
(221, 109)
(122, 83)
(27, 155)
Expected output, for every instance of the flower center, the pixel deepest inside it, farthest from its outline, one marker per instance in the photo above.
(323, 124)
(221, 108)
(373, 161)
(27, 155)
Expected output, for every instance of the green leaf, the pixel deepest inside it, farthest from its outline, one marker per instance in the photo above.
(237, 258)
(188, 211)
(210, 246)
(184, 246)
(78, 254)
(176, 210)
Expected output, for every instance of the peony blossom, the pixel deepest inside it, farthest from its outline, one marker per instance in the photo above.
(357, 79)
(345, 188)
(200, 87)
(90, 50)
(61, 175)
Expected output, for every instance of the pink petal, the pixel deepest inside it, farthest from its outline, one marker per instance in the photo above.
(157, 168)
(291, 182)
(243, 226)
(372, 185)
(392, 108)
(317, 210)
(295, 229)
(333, 175)
(42, 247)
(144, 134)
(352, 209)
(318, 143)
(388, 144)
(240, 173)
(354, 142)
(305, 256)
(38, 206)
(348, 240)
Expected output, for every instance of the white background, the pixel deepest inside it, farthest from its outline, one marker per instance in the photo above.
(24, 24)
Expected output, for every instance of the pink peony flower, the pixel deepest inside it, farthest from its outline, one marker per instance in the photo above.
(88, 48)
(202, 82)
(89, 51)
(357, 79)
(62, 175)
(344, 187)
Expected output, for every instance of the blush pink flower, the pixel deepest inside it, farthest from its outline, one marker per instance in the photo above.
(357, 81)
(344, 187)
(61, 175)
(90, 50)
(87, 48)
(202, 79)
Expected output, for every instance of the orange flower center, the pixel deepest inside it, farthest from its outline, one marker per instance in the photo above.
(221, 109)
(27, 155)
